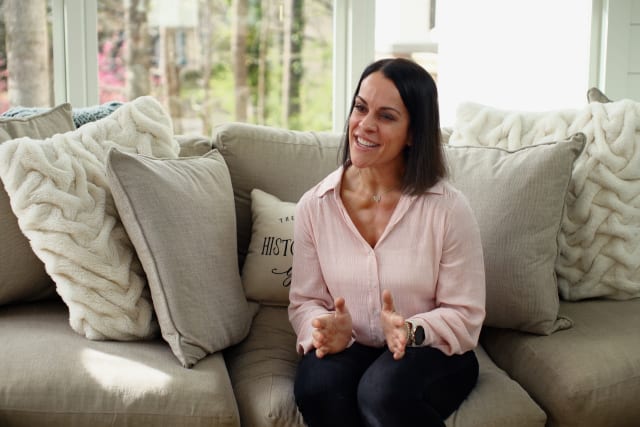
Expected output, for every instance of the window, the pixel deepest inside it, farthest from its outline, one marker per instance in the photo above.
(265, 62)
(529, 54)
(302, 58)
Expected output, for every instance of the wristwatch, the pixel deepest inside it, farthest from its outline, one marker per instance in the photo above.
(415, 336)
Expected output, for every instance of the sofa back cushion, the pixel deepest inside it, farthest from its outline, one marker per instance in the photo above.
(22, 274)
(283, 163)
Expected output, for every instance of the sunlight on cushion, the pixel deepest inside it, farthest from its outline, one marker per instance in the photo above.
(113, 372)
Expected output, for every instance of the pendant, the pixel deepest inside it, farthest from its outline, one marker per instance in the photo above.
(376, 198)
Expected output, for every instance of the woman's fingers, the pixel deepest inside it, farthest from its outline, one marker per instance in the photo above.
(387, 301)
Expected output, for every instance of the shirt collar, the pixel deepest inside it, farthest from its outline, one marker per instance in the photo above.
(331, 182)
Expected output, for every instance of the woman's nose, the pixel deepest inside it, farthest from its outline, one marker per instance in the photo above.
(367, 122)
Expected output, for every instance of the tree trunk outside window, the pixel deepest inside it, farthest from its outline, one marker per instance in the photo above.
(239, 58)
(138, 59)
(27, 44)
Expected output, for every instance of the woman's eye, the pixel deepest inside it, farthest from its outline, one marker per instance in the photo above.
(359, 108)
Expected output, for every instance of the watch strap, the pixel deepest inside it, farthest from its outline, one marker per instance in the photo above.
(409, 330)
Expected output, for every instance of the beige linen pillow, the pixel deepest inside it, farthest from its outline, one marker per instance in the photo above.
(58, 119)
(266, 274)
(180, 217)
(22, 274)
(518, 198)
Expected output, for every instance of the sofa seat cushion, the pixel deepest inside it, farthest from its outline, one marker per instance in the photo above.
(262, 370)
(588, 375)
(52, 376)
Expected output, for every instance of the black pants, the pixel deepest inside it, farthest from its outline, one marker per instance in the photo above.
(364, 386)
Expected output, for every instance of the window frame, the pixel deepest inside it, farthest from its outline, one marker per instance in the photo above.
(75, 51)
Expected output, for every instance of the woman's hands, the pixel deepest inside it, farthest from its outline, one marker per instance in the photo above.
(332, 332)
(393, 327)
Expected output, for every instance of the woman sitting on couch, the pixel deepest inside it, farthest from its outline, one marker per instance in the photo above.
(387, 295)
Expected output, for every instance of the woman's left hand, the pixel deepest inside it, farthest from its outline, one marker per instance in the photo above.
(393, 327)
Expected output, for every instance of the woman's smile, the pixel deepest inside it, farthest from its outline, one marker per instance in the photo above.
(364, 143)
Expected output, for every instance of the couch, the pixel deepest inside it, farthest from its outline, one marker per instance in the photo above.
(544, 360)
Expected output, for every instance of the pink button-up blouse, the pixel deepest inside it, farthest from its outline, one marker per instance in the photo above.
(429, 257)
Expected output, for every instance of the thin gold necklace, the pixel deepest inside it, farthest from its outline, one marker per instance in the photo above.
(377, 197)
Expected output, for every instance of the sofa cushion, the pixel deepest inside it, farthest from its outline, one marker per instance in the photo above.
(81, 115)
(53, 377)
(266, 274)
(58, 190)
(283, 163)
(193, 145)
(596, 95)
(588, 375)
(518, 198)
(599, 240)
(262, 370)
(180, 216)
(45, 123)
(22, 274)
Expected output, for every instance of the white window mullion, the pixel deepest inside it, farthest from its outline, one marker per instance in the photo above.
(616, 49)
(354, 49)
(59, 54)
(597, 46)
(75, 51)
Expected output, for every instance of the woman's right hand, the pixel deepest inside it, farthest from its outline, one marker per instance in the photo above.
(395, 332)
(332, 332)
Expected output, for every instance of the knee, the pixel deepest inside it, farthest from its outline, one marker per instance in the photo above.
(384, 406)
(320, 385)
(385, 398)
(379, 402)
(325, 398)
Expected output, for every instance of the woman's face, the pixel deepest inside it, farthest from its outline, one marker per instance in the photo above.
(378, 124)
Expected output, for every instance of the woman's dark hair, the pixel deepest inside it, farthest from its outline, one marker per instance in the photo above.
(424, 158)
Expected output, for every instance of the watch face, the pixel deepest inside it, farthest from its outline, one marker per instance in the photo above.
(418, 335)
